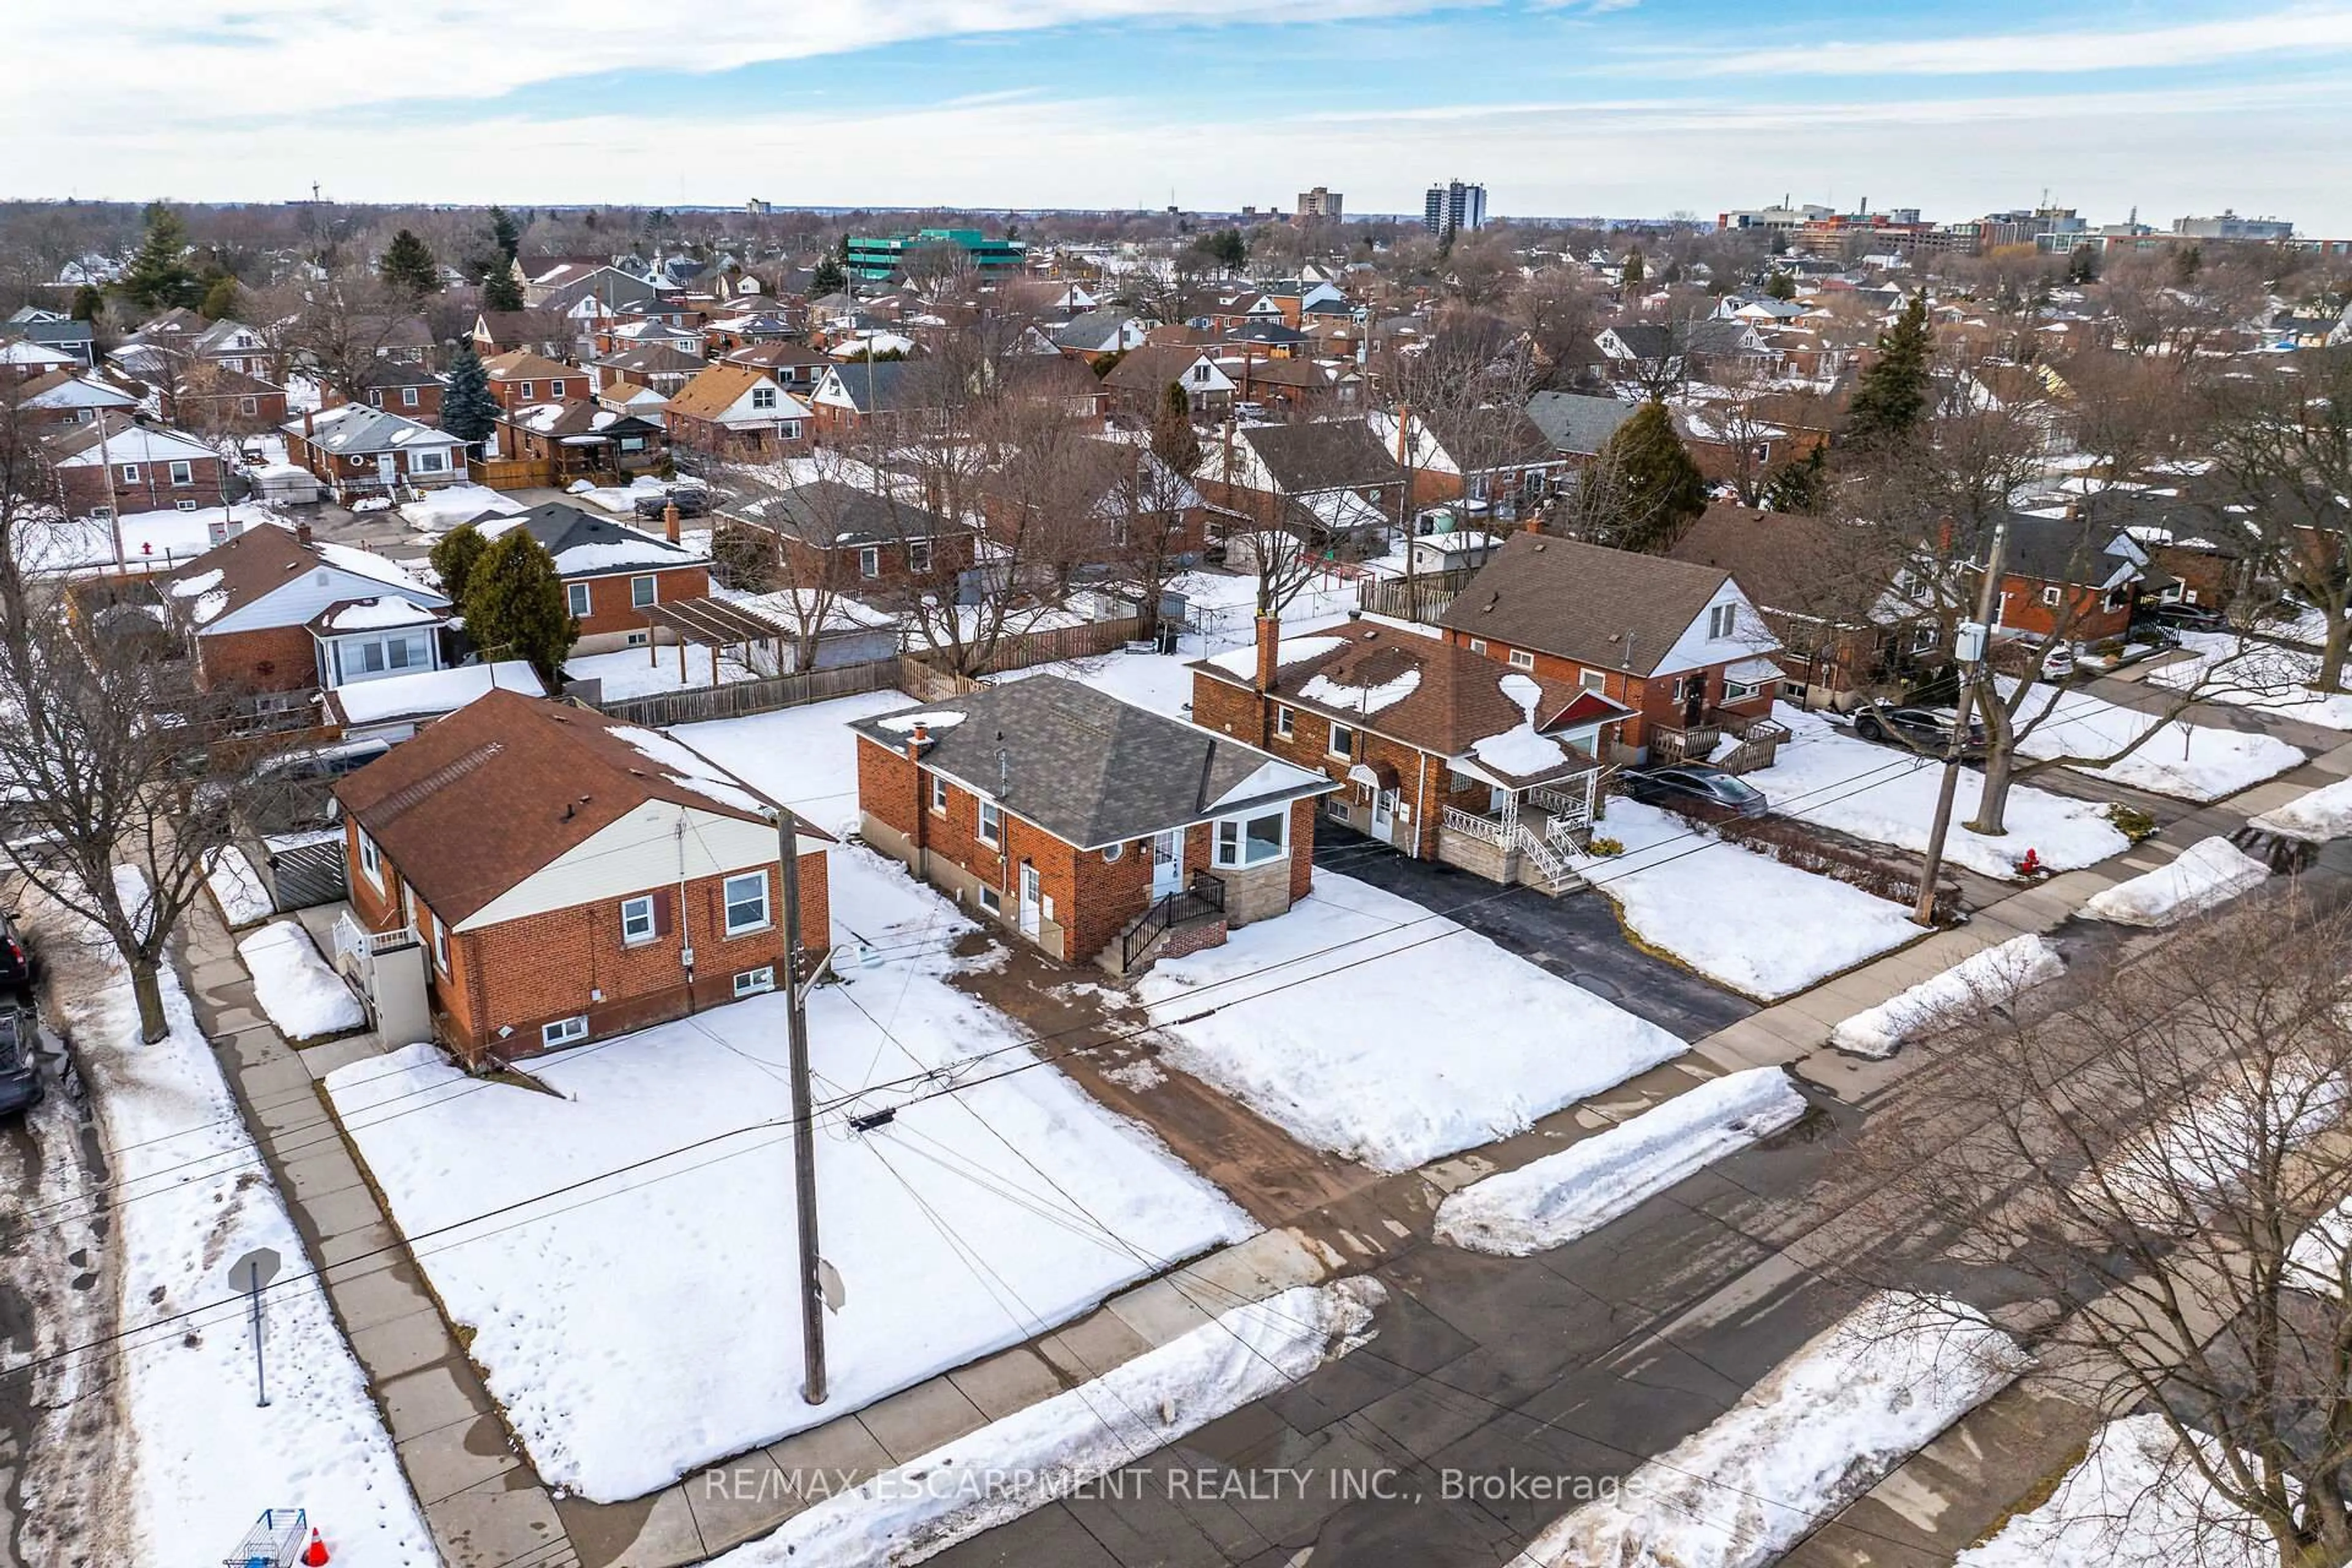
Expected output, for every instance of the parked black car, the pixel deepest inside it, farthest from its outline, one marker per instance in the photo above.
(20, 1080)
(691, 500)
(1694, 784)
(15, 961)
(2183, 617)
(1913, 729)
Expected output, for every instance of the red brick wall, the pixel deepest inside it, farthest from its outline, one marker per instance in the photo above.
(950, 553)
(2084, 609)
(570, 388)
(1231, 709)
(609, 609)
(84, 487)
(280, 659)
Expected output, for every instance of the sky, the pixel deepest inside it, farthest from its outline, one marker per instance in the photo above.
(1620, 108)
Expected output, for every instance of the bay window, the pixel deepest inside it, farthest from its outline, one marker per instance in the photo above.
(1245, 841)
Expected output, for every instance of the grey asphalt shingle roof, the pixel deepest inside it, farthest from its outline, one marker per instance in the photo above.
(1321, 455)
(1576, 424)
(825, 513)
(1088, 768)
(1607, 609)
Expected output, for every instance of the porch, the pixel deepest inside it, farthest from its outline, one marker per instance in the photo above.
(1523, 835)
(387, 968)
(1758, 740)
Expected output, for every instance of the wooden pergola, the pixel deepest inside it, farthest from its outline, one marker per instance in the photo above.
(715, 624)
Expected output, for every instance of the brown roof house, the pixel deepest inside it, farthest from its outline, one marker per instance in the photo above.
(1443, 754)
(1680, 645)
(527, 874)
(1094, 828)
(734, 410)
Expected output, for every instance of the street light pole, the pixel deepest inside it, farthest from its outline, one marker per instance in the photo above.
(1968, 650)
(803, 1131)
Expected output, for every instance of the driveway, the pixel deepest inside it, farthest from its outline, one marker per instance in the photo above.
(1575, 937)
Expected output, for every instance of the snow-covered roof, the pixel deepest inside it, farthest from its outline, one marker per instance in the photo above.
(430, 693)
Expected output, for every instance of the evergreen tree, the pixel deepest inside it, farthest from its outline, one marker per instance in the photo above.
(467, 409)
(1657, 487)
(1635, 271)
(454, 558)
(500, 291)
(220, 300)
(1173, 441)
(515, 605)
(408, 265)
(88, 302)
(1779, 286)
(159, 276)
(1796, 485)
(827, 278)
(1891, 396)
(506, 235)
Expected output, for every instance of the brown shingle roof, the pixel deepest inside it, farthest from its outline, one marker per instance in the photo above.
(1152, 367)
(1785, 560)
(524, 365)
(1323, 455)
(714, 390)
(1608, 609)
(480, 800)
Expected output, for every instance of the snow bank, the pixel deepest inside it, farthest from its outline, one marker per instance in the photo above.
(1049, 1450)
(1977, 982)
(2135, 1501)
(1764, 929)
(203, 1459)
(237, 887)
(1820, 1429)
(1560, 1197)
(2189, 762)
(303, 997)
(453, 504)
(2323, 814)
(2210, 872)
(1825, 775)
(2261, 676)
(1327, 1023)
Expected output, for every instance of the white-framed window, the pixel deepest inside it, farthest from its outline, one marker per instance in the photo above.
(554, 389)
(187, 505)
(1200, 373)
(1286, 721)
(641, 591)
(2117, 597)
(1112, 852)
(577, 597)
(408, 398)
(764, 398)
(991, 824)
(1522, 659)
(429, 462)
(564, 1032)
(1720, 620)
(1343, 740)
(1683, 688)
(130, 473)
(747, 902)
(789, 429)
(1925, 636)
(918, 555)
(248, 406)
(1594, 680)
(440, 943)
(525, 391)
(637, 925)
(1738, 691)
(2050, 598)
(370, 858)
(752, 982)
(992, 900)
(869, 562)
(1477, 645)
(938, 795)
(1245, 841)
(375, 396)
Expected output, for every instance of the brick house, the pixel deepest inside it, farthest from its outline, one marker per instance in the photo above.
(1139, 382)
(657, 365)
(543, 333)
(106, 463)
(557, 876)
(67, 398)
(796, 367)
(612, 572)
(273, 611)
(735, 411)
(893, 396)
(360, 452)
(1440, 755)
(1093, 828)
(563, 442)
(832, 534)
(405, 386)
(1679, 644)
(1496, 462)
(211, 396)
(2070, 577)
(1329, 477)
(1114, 498)
(520, 378)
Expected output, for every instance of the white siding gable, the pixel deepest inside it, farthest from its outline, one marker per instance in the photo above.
(1696, 651)
(659, 845)
(301, 597)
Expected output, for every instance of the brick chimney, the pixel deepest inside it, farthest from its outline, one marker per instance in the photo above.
(918, 741)
(310, 424)
(1269, 640)
(301, 531)
(669, 521)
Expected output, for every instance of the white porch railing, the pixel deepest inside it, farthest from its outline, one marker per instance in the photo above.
(1571, 810)
(1489, 828)
(359, 945)
(1546, 855)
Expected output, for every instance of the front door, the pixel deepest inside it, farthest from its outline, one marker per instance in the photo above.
(387, 468)
(1029, 899)
(1167, 862)
(1384, 804)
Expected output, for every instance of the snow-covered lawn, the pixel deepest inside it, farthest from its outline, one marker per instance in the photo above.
(620, 500)
(635, 1313)
(439, 510)
(1760, 927)
(236, 887)
(1561, 1196)
(1364, 1024)
(2315, 817)
(149, 539)
(2210, 872)
(1980, 981)
(2262, 676)
(1025, 1460)
(628, 672)
(1821, 1429)
(2133, 1500)
(1828, 775)
(203, 1459)
(805, 757)
(2190, 762)
(305, 999)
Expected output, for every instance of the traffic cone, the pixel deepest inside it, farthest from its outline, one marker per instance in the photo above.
(315, 1554)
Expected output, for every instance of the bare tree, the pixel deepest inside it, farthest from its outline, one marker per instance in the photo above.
(1559, 311)
(2152, 1178)
(2285, 453)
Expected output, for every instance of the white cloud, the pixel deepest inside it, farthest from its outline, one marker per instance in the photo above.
(2304, 30)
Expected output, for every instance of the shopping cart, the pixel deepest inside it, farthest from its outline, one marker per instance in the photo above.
(275, 1540)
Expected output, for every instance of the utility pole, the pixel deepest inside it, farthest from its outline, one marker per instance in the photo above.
(1968, 649)
(113, 507)
(788, 854)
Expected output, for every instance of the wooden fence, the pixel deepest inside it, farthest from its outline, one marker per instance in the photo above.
(742, 698)
(1019, 651)
(1424, 599)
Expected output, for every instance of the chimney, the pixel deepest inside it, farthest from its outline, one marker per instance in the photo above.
(1269, 640)
(310, 424)
(1534, 522)
(918, 741)
(669, 526)
(301, 531)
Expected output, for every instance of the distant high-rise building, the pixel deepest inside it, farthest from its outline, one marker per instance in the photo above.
(1454, 206)
(2229, 225)
(1320, 202)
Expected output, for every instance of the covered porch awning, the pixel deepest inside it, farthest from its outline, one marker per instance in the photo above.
(711, 622)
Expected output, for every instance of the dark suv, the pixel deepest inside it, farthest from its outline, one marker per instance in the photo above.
(20, 1080)
(691, 500)
(1927, 730)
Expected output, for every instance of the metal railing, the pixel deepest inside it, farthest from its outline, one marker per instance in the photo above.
(1203, 898)
(360, 945)
(1489, 828)
(1547, 856)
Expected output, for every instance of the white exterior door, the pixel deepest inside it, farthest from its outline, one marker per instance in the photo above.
(1384, 804)
(1167, 862)
(387, 468)
(1029, 899)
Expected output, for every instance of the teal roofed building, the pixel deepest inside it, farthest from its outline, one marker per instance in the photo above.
(877, 258)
